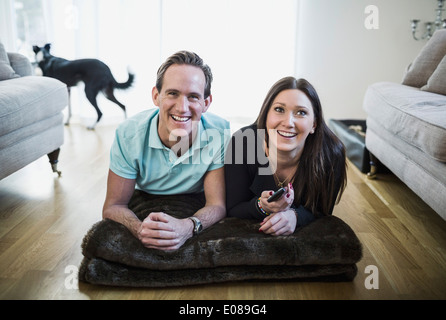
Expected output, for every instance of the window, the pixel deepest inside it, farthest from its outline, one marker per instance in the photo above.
(248, 44)
(30, 24)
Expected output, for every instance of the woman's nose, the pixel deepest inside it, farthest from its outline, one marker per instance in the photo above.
(290, 119)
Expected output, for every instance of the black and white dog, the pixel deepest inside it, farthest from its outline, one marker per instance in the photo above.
(95, 74)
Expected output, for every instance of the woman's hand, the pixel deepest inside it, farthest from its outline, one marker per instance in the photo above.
(282, 219)
(282, 223)
(281, 204)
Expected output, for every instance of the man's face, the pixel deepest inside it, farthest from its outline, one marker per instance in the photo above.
(181, 102)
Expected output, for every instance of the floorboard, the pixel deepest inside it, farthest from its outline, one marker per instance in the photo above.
(44, 218)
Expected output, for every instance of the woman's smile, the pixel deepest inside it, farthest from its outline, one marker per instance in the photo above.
(286, 134)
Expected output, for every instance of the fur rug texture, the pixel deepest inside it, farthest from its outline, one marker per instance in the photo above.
(231, 250)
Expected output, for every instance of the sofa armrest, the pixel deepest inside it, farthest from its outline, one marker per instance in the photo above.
(20, 64)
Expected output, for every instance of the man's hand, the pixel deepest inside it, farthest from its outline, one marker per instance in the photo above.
(159, 230)
(164, 232)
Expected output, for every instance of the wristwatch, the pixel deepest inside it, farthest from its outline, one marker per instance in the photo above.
(197, 225)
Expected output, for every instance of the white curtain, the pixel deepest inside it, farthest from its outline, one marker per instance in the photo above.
(249, 44)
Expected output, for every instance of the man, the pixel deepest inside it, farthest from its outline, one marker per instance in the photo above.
(170, 150)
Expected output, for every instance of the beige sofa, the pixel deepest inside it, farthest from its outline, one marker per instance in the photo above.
(31, 119)
(406, 124)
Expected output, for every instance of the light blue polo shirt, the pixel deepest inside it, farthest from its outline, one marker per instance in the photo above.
(138, 153)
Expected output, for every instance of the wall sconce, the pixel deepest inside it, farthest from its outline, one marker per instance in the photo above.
(439, 23)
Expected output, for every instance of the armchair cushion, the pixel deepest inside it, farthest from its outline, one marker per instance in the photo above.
(20, 64)
(6, 71)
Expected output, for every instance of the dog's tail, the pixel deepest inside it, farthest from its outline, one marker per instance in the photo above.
(127, 84)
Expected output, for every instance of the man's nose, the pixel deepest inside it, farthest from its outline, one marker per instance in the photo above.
(183, 103)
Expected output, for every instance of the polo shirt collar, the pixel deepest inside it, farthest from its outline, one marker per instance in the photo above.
(154, 138)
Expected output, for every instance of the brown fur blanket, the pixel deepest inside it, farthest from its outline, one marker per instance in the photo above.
(231, 250)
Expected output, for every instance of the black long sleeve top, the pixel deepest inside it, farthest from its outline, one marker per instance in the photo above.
(247, 175)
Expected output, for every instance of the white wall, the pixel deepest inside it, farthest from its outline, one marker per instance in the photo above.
(248, 44)
(6, 25)
(340, 57)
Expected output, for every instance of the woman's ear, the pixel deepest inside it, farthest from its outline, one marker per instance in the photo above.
(314, 128)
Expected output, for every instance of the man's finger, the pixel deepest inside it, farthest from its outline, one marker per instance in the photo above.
(159, 243)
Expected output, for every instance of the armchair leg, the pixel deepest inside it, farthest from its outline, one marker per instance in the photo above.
(54, 159)
(69, 106)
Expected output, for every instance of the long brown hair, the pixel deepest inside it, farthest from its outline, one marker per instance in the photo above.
(321, 176)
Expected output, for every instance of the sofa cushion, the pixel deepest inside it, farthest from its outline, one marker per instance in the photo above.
(415, 168)
(27, 100)
(427, 60)
(6, 71)
(416, 116)
(437, 81)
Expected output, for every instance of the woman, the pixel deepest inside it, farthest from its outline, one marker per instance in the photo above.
(288, 146)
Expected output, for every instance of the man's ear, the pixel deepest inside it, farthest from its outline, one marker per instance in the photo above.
(207, 103)
(155, 96)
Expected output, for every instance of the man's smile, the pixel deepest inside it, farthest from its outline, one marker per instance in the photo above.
(180, 118)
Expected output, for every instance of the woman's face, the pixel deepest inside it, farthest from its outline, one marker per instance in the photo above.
(290, 120)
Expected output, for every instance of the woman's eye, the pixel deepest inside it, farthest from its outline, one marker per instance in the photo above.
(301, 113)
(278, 109)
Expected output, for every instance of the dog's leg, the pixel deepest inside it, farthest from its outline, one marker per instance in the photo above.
(91, 96)
(69, 106)
(110, 96)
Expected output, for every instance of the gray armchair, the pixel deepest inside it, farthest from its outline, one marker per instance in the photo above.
(31, 118)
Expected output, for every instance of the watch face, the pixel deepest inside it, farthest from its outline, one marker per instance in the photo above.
(197, 225)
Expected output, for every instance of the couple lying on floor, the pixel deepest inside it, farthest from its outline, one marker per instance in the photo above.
(178, 148)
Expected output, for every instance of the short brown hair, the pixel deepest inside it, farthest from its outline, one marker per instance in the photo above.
(189, 58)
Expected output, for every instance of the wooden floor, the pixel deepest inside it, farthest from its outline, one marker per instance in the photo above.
(44, 218)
